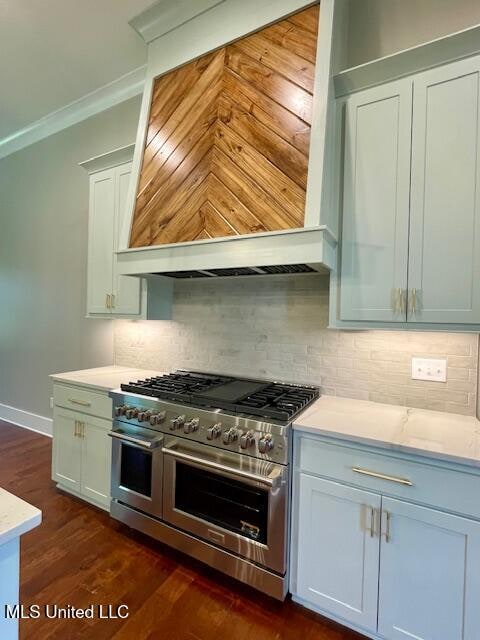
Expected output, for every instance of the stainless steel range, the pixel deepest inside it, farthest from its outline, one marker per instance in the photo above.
(201, 462)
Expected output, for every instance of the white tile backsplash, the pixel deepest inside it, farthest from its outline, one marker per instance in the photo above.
(276, 327)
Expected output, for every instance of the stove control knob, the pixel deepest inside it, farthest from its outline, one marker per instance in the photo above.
(191, 425)
(215, 431)
(120, 411)
(177, 423)
(230, 435)
(131, 413)
(157, 418)
(265, 444)
(247, 440)
(144, 416)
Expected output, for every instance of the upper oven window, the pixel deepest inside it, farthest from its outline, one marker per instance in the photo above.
(231, 504)
(136, 470)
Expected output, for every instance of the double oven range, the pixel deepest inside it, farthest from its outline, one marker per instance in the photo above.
(201, 462)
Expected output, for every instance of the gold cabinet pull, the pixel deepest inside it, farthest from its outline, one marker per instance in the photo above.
(370, 516)
(82, 429)
(108, 302)
(399, 300)
(382, 476)
(396, 300)
(82, 403)
(403, 300)
(414, 300)
(387, 532)
(112, 301)
(75, 433)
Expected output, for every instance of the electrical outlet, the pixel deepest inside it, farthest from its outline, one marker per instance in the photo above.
(429, 369)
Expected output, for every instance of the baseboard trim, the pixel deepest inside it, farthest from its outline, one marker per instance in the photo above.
(26, 420)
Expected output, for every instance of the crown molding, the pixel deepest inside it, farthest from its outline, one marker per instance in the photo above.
(443, 50)
(165, 15)
(111, 94)
(109, 159)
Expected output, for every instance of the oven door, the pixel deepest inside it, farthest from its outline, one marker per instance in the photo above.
(137, 467)
(237, 502)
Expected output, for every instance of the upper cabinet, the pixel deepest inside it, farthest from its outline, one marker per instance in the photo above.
(376, 203)
(110, 294)
(107, 292)
(227, 145)
(411, 219)
(444, 257)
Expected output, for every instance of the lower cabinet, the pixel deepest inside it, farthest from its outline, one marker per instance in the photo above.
(384, 566)
(67, 450)
(81, 455)
(429, 574)
(338, 562)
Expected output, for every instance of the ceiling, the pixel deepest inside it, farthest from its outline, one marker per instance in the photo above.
(53, 52)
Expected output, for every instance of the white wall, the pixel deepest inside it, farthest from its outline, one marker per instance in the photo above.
(276, 327)
(43, 253)
(380, 27)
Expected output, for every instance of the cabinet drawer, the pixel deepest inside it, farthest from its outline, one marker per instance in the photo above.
(441, 487)
(83, 400)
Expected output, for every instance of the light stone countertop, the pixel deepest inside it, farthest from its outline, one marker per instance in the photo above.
(16, 516)
(434, 434)
(104, 378)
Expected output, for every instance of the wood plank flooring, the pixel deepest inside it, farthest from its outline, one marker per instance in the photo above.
(79, 556)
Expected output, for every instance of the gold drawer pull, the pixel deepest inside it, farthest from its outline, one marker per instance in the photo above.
(382, 476)
(82, 403)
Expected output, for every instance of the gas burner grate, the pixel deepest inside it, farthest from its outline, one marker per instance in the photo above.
(179, 385)
(272, 400)
(279, 401)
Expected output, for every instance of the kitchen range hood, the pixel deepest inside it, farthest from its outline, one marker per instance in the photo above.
(296, 251)
(229, 176)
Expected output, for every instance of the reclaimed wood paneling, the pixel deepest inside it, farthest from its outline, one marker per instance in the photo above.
(226, 149)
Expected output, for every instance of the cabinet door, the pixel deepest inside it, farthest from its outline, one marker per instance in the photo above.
(338, 550)
(67, 443)
(429, 575)
(444, 261)
(100, 240)
(374, 249)
(126, 289)
(96, 460)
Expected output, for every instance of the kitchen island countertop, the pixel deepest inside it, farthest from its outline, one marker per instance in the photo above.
(16, 516)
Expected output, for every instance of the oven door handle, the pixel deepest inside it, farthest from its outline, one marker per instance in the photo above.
(145, 444)
(272, 480)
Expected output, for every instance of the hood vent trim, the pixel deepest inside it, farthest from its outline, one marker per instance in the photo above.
(240, 271)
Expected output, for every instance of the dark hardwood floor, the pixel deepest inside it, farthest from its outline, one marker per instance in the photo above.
(79, 556)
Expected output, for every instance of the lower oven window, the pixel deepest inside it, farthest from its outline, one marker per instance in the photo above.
(230, 504)
(136, 470)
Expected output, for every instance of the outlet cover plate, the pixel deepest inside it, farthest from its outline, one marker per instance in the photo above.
(429, 369)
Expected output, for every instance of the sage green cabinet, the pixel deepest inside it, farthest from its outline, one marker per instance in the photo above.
(376, 202)
(410, 250)
(81, 457)
(444, 257)
(107, 292)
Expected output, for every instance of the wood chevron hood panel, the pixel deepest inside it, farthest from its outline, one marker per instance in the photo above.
(226, 151)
